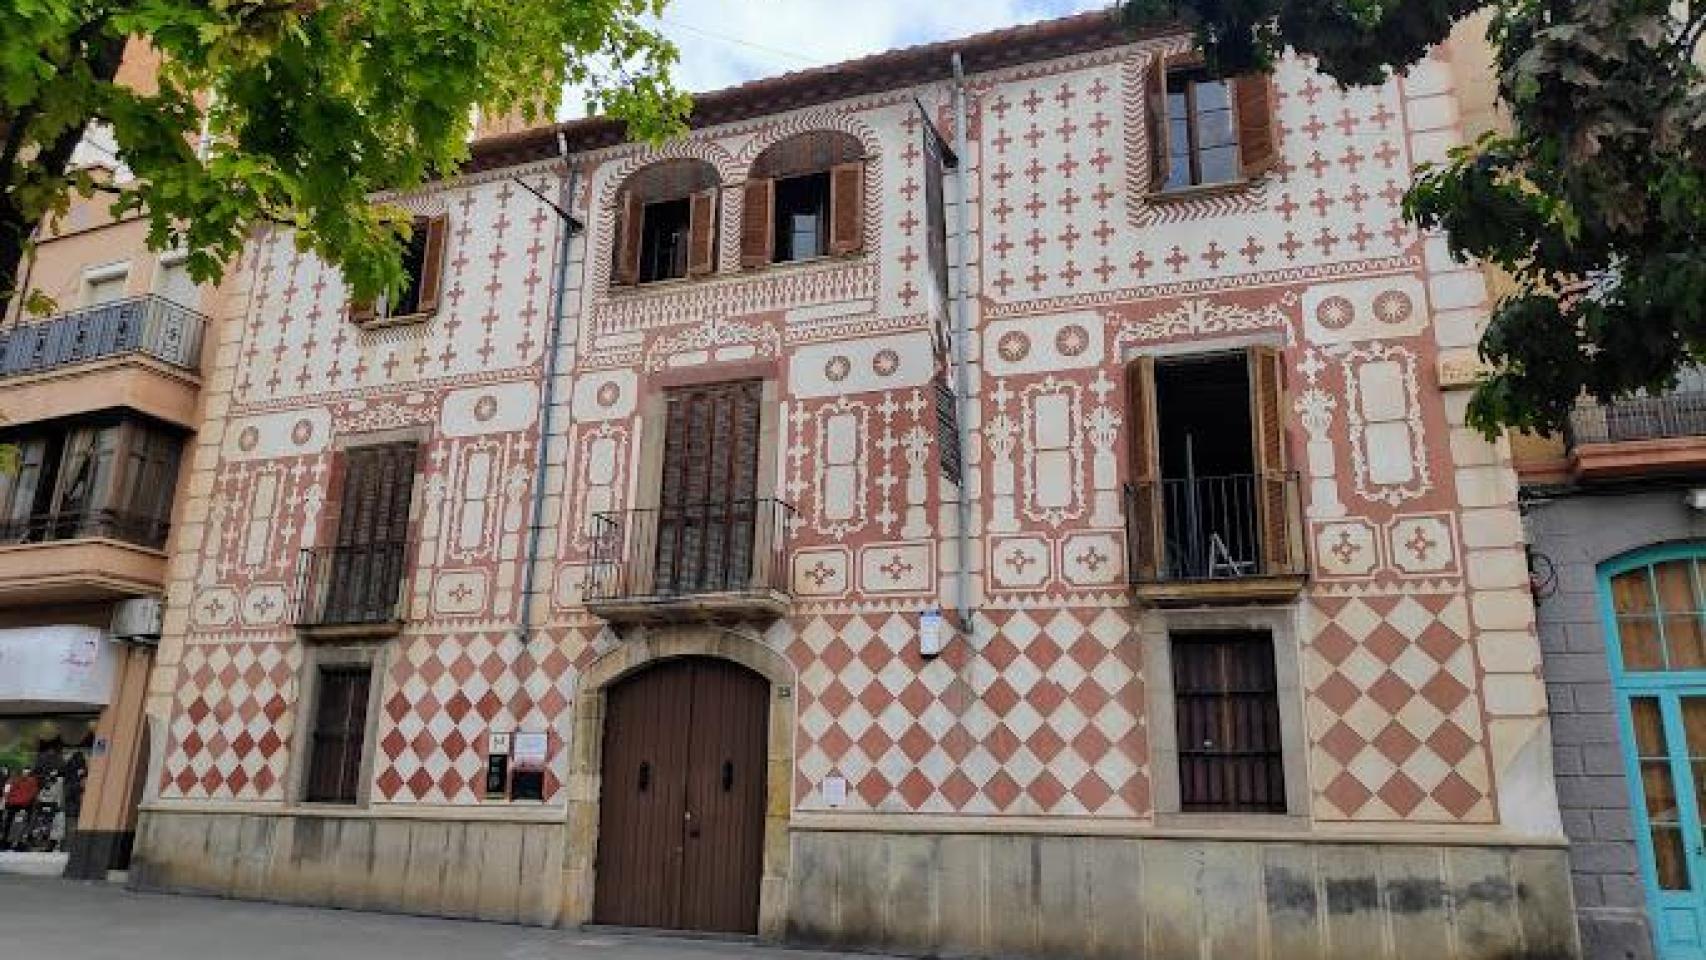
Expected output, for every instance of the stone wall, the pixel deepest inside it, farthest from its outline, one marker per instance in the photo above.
(508, 871)
(1097, 896)
(1578, 534)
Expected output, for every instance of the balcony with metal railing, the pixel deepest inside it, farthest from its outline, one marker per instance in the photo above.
(713, 561)
(81, 555)
(1641, 435)
(353, 590)
(1215, 539)
(140, 353)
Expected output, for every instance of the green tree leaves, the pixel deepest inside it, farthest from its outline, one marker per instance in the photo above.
(297, 111)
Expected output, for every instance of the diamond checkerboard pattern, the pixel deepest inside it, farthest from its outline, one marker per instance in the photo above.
(444, 693)
(229, 735)
(1394, 716)
(1042, 718)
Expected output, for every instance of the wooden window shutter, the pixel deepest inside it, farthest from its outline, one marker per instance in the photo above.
(702, 233)
(1155, 98)
(1143, 500)
(757, 233)
(1267, 420)
(632, 214)
(1258, 136)
(847, 207)
(432, 261)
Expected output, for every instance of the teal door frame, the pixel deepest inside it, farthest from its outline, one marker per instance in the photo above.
(1678, 916)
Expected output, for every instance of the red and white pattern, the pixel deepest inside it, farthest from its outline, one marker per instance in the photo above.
(230, 733)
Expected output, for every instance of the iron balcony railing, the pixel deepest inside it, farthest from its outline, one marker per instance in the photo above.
(1213, 528)
(134, 528)
(352, 585)
(730, 547)
(1662, 417)
(149, 325)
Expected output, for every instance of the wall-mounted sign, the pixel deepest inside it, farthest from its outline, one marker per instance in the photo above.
(529, 751)
(500, 743)
(497, 775)
(834, 791)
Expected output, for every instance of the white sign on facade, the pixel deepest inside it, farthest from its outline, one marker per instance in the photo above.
(56, 667)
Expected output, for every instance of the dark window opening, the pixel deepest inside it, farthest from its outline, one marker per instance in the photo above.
(95, 478)
(1202, 133)
(340, 729)
(802, 218)
(664, 240)
(1226, 707)
(1209, 488)
(414, 268)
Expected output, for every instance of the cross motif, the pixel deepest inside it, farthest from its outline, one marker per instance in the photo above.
(1035, 241)
(1067, 166)
(1065, 96)
(1035, 206)
(1069, 201)
(1353, 158)
(1311, 91)
(1001, 175)
(1387, 154)
(1019, 561)
(1420, 544)
(1317, 164)
(1001, 140)
(1141, 264)
(909, 222)
(908, 293)
(1033, 136)
(820, 573)
(1002, 246)
(1092, 559)
(1003, 282)
(1347, 123)
(1252, 250)
(1322, 203)
(1314, 127)
(1361, 237)
(999, 106)
(1103, 233)
(1066, 129)
(1287, 207)
(897, 568)
(1326, 240)
(1102, 196)
(1099, 124)
(908, 257)
(1070, 273)
(1392, 193)
(1002, 211)
(461, 592)
(1356, 196)
(1177, 260)
(1034, 171)
(909, 189)
(1397, 233)
(1383, 117)
(391, 364)
(1214, 255)
(1032, 101)
(1291, 245)
(1100, 160)
(1036, 278)
(1103, 270)
(1346, 549)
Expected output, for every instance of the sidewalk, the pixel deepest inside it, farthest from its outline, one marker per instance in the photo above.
(58, 919)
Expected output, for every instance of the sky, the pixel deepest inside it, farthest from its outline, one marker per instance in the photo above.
(725, 42)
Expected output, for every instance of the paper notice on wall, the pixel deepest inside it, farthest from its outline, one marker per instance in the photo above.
(834, 791)
(529, 751)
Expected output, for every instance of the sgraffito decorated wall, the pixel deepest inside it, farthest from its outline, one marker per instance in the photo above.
(1415, 660)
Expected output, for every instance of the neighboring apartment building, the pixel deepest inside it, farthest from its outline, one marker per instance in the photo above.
(1616, 515)
(1252, 668)
(99, 400)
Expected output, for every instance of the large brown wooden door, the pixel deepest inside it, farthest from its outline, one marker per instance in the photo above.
(706, 503)
(681, 816)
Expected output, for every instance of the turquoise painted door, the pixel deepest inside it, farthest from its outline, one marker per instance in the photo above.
(1654, 609)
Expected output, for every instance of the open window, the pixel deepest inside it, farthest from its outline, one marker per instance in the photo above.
(102, 477)
(667, 223)
(1205, 130)
(1210, 499)
(423, 272)
(804, 200)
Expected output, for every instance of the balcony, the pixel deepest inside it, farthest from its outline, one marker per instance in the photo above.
(706, 562)
(1639, 436)
(352, 591)
(1230, 539)
(81, 556)
(141, 353)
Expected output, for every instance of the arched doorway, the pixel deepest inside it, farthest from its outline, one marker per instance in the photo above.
(682, 801)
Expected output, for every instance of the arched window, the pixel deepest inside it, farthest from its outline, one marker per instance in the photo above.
(805, 199)
(667, 222)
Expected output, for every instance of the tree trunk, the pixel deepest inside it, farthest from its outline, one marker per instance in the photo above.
(103, 54)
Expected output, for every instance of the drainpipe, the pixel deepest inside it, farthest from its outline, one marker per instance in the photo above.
(962, 334)
(548, 395)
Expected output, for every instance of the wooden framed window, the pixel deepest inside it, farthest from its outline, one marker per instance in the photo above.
(1206, 130)
(666, 223)
(805, 198)
(423, 268)
(339, 734)
(91, 478)
(1226, 711)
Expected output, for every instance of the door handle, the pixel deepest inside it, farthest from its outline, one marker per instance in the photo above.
(692, 825)
(728, 775)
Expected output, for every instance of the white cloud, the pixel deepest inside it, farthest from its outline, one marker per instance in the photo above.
(726, 42)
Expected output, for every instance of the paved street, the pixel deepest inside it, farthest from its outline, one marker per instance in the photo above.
(70, 921)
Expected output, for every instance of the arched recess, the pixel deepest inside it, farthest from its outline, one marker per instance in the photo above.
(637, 651)
(666, 222)
(815, 177)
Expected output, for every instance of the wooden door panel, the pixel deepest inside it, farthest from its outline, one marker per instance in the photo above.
(709, 479)
(642, 803)
(725, 799)
(681, 822)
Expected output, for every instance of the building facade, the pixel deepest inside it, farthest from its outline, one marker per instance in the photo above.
(612, 574)
(1613, 514)
(99, 398)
